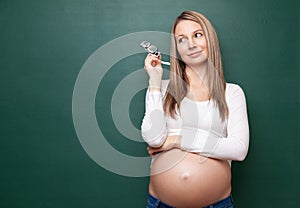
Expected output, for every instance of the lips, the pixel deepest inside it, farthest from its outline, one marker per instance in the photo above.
(195, 54)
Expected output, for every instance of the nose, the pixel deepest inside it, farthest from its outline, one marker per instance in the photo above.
(191, 43)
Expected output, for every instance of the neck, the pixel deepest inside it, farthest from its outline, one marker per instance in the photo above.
(197, 74)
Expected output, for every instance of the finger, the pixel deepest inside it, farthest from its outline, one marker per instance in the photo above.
(150, 153)
(151, 57)
(153, 63)
(150, 150)
(159, 56)
(150, 61)
(154, 151)
(156, 61)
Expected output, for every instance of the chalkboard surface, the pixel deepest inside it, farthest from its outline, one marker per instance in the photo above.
(47, 45)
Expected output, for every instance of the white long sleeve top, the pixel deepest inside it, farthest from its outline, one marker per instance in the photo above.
(199, 124)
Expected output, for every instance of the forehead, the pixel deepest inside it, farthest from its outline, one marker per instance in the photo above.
(186, 27)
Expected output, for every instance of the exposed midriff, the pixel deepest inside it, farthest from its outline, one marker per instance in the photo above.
(188, 180)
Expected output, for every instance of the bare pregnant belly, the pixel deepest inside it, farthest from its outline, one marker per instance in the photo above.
(188, 180)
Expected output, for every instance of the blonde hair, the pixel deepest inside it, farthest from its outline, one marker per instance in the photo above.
(177, 87)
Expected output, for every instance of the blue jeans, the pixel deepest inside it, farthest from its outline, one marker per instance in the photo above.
(153, 202)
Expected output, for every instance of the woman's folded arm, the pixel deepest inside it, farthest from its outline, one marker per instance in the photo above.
(153, 127)
(232, 147)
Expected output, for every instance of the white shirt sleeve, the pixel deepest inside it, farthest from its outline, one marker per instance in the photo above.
(154, 130)
(235, 145)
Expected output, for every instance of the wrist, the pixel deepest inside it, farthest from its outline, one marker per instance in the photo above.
(177, 141)
(154, 85)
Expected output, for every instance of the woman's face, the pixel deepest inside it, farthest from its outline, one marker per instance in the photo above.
(191, 43)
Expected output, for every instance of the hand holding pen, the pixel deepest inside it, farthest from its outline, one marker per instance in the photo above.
(153, 66)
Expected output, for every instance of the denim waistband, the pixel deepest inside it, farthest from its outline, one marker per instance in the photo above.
(227, 202)
(156, 203)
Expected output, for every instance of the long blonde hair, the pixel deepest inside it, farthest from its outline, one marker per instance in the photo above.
(177, 88)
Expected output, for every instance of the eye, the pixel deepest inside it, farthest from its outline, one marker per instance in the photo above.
(181, 40)
(198, 35)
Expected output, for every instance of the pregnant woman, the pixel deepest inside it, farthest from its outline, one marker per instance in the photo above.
(195, 123)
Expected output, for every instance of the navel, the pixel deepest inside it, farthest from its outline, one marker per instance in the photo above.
(185, 176)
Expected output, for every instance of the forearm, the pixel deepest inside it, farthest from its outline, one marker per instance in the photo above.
(210, 145)
(153, 127)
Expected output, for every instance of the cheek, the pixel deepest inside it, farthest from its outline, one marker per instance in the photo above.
(203, 45)
(180, 51)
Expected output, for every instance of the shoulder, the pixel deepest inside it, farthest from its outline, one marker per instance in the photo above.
(233, 90)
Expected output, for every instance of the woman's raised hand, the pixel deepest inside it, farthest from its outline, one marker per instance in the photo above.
(154, 70)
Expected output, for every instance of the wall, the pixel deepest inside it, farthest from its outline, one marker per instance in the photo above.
(44, 46)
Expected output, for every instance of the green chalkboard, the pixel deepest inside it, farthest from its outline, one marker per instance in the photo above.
(47, 45)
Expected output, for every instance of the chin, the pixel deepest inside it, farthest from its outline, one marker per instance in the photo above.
(196, 63)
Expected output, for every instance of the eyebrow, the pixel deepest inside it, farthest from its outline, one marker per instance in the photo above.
(192, 32)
